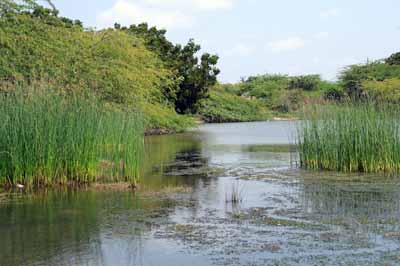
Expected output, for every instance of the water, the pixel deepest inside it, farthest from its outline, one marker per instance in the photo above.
(183, 216)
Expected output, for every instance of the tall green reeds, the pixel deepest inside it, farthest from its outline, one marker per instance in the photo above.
(351, 138)
(49, 137)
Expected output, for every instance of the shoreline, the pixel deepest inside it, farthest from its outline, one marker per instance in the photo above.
(198, 121)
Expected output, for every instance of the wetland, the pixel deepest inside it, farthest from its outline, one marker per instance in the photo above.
(182, 214)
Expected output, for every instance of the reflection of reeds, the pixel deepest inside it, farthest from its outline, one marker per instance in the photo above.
(51, 138)
(351, 138)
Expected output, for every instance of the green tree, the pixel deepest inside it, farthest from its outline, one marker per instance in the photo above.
(394, 59)
(192, 77)
(307, 83)
(11, 6)
(352, 77)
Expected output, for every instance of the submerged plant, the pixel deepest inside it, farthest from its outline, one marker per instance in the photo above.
(351, 138)
(49, 137)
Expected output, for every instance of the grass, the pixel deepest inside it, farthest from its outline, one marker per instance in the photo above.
(351, 138)
(49, 138)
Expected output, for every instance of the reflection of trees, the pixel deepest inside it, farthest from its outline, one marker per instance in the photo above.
(68, 228)
(173, 160)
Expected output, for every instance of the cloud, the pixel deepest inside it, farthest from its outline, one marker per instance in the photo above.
(240, 49)
(329, 13)
(160, 13)
(290, 44)
(127, 13)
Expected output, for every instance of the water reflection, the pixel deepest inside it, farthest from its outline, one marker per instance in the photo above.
(181, 215)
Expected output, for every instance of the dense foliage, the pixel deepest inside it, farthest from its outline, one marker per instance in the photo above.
(355, 77)
(394, 59)
(34, 47)
(193, 77)
(377, 81)
(38, 45)
(282, 93)
(223, 106)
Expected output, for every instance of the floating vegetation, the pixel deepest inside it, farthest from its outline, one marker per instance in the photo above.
(49, 137)
(351, 138)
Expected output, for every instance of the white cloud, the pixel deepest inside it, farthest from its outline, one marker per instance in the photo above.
(160, 13)
(127, 13)
(290, 44)
(329, 13)
(240, 49)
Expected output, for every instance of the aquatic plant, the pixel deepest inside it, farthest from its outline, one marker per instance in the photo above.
(49, 137)
(236, 196)
(350, 138)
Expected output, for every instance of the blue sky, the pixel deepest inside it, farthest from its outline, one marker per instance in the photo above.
(262, 36)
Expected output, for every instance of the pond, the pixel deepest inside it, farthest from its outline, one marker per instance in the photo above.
(184, 212)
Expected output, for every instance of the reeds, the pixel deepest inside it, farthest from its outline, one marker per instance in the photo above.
(49, 138)
(235, 197)
(351, 138)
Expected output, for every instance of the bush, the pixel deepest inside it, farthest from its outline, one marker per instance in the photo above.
(290, 101)
(382, 91)
(226, 107)
(334, 94)
(307, 83)
(353, 77)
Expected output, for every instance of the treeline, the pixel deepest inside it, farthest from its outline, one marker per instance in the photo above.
(283, 95)
(135, 66)
(377, 80)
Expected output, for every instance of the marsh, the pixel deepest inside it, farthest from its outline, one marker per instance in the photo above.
(180, 215)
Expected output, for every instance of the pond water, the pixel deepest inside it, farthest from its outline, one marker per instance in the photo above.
(184, 213)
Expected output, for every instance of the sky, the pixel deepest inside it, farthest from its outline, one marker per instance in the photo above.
(251, 37)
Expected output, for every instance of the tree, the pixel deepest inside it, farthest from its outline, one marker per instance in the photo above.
(334, 94)
(192, 77)
(307, 83)
(353, 77)
(10, 6)
(394, 59)
(197, 79)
